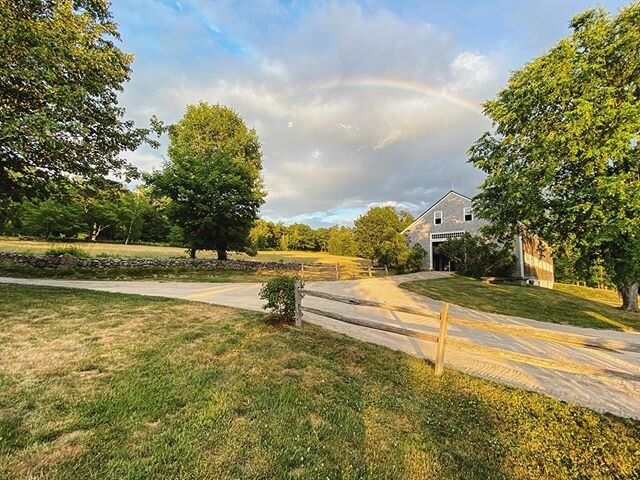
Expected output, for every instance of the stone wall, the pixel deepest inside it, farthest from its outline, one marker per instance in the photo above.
(69, 261)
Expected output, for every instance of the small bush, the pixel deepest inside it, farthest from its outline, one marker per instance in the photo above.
(279, 293)
(67, 250)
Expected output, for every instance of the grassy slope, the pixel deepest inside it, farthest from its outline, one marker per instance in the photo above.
(96, 385)
(150, 251)
(566, 304)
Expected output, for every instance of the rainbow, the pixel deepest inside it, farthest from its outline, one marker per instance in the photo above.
(405, 85)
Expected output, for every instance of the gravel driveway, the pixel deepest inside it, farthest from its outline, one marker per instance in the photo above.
(603, 379)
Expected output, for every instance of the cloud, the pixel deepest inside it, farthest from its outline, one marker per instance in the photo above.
(388, 140)
(332, 146)
(471, 70)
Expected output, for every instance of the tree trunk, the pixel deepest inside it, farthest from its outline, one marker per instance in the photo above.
(629, 294)
(95, 231)
(222, 254)
(192, 252)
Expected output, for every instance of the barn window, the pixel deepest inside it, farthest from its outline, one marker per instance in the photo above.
(468, 214)
(437, 217)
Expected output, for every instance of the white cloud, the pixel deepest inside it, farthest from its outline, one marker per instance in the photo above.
(388, 140)
(470, 69)
(274, 68)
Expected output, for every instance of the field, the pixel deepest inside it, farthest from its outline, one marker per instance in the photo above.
(566, 304)
(97, 385)
(169, 274)
(151, 251)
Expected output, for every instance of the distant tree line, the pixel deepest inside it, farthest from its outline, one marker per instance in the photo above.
(114, 213)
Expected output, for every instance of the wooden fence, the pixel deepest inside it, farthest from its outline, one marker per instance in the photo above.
(441, 337)
(337, 271)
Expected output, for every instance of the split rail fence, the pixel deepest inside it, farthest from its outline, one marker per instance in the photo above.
(441, 337)
(337, 271)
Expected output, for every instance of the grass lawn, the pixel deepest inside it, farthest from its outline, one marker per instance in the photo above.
(12, 244)
(110, 386)
(566, 304)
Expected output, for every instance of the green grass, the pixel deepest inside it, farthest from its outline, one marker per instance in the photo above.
(565, 304)
(109, 386)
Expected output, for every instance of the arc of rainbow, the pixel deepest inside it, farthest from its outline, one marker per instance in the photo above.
(405, 85)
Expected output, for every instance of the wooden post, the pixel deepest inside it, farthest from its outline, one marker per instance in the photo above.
(337, 271)
(442, 338)
(369, 270)
(302, 270)
(386, 270)
(298, 297)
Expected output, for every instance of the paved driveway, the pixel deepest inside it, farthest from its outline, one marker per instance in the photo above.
(603, 379)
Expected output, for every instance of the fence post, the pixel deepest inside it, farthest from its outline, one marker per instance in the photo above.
(302, 270)
(369, 270)
(442, 338)
(386, 271)
(337, 271)
(298, 298)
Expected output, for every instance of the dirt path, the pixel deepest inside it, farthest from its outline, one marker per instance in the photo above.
(604, 380)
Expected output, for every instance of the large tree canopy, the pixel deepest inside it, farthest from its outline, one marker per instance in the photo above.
(213, 179)
(60, 73)
(564, 158)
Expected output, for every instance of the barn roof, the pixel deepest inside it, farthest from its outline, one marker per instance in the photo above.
(432, 206)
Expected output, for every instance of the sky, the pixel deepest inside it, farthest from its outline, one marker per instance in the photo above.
(356, 104)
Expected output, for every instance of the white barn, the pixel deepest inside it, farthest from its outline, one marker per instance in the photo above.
(451, 217)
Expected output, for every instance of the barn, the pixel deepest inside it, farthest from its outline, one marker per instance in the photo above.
(451, 217)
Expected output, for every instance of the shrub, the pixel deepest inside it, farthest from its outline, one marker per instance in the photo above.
(279, 293)
(477, 257)
(415, 259)
(67, 250)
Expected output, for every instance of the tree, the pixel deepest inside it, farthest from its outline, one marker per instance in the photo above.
(97, 199)
(130, 211)
(213, 179)
(261, 235)
(377, 234)
(321, 238)
(341, 241)
(60, 73)
(564, 157)
(301, 237)
(52, 218)
(476, 256)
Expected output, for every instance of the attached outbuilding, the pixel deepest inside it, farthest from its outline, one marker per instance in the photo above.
(451, 217)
